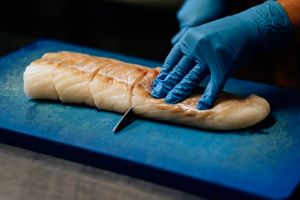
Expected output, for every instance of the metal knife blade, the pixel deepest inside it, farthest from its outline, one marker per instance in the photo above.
(126, 118)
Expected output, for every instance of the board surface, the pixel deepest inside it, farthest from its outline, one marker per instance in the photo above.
(261, 161)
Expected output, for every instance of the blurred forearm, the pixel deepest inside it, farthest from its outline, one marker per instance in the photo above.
(292, 8)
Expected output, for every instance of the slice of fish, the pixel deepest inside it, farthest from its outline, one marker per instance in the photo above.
(112, 86)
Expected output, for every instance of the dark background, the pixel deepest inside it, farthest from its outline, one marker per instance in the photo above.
(141, 28)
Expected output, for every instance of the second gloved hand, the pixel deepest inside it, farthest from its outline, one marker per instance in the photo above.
(218, 47)
(197, 12)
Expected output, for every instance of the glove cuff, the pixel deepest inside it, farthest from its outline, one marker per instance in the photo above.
(271, 24)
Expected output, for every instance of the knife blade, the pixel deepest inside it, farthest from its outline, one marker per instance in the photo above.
(125, 120)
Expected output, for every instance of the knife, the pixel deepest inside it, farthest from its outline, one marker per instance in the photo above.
(125, 120)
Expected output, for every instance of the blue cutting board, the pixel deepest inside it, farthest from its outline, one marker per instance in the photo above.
(262, 161)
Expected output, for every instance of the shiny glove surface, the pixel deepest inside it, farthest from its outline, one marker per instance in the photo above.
(197, 12)
(218, 47)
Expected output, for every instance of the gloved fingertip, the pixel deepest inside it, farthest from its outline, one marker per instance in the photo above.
(203, 105)
(158, 91)
(155, 94)
(159, 78)
(171, 99)
(154, 84)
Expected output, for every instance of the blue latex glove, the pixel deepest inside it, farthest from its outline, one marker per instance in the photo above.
(217, 48)
(197, 12)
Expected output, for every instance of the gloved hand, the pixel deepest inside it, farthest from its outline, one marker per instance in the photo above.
(197, 12)
(217, 48)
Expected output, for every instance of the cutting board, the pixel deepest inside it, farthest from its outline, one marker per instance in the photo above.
(261, 161)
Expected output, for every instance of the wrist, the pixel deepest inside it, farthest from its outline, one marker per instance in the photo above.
(292, 8)
(268, 24)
